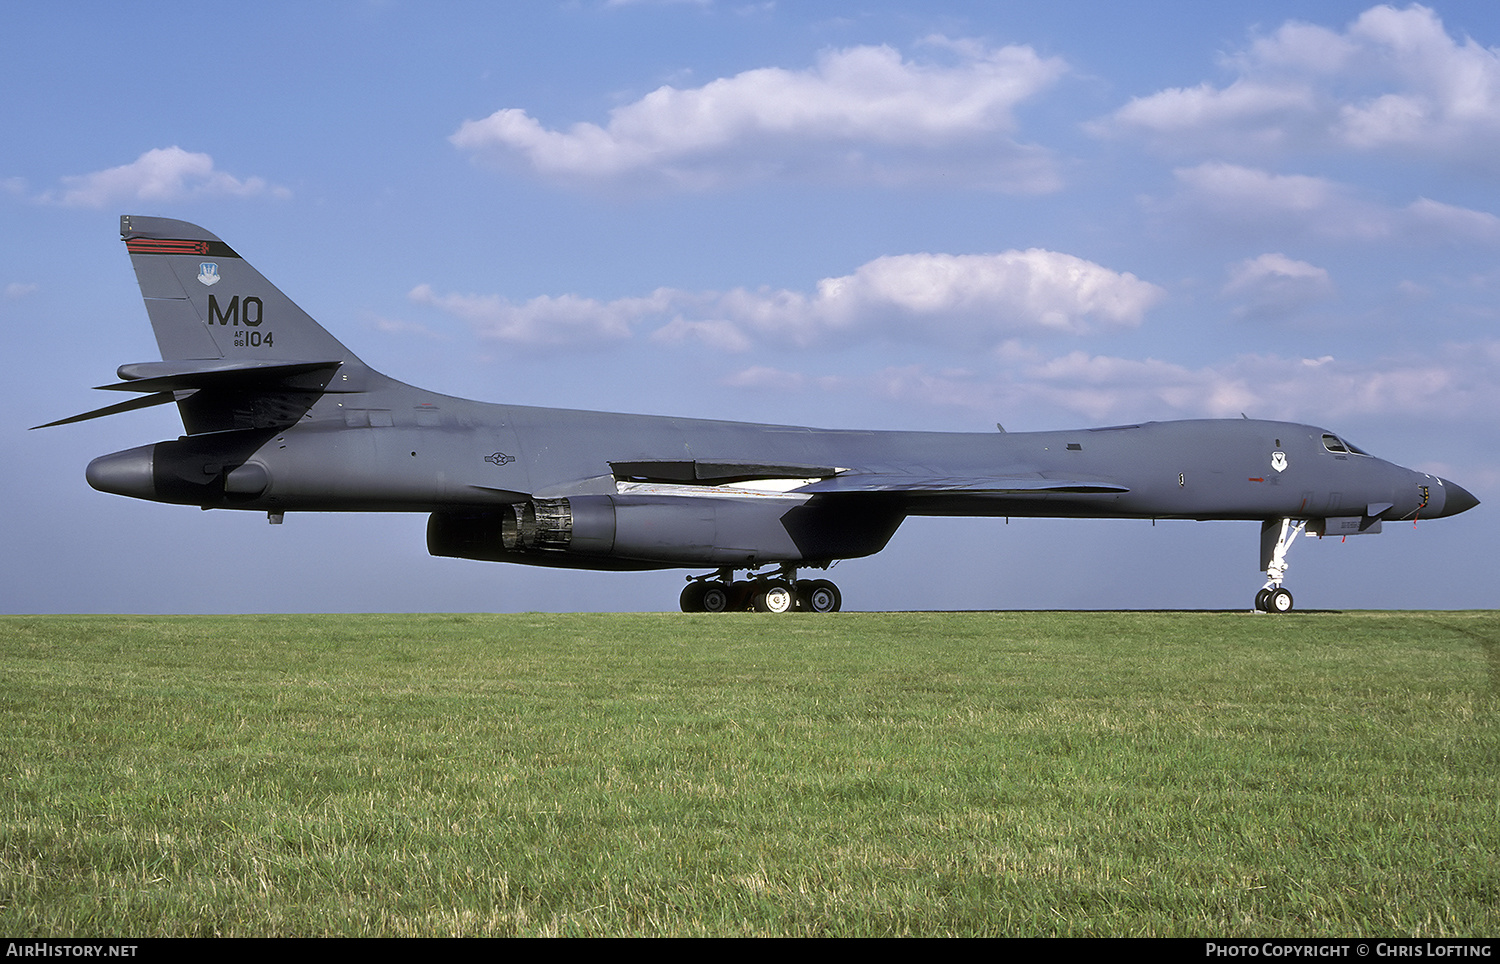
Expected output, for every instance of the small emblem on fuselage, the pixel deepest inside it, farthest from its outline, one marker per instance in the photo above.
(208, 273)
(1278, 461)
(500, 458)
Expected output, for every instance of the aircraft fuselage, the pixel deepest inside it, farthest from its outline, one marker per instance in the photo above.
(401, 449)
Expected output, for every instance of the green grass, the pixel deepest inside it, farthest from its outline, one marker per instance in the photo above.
(848, 774)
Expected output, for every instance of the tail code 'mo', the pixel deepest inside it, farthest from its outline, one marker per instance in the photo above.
(205, 301)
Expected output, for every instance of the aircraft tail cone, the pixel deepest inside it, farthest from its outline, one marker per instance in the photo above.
(131, 472)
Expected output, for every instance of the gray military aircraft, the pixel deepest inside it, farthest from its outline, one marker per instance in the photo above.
(281, 417)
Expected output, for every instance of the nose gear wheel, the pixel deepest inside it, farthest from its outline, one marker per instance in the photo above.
(1276, 538)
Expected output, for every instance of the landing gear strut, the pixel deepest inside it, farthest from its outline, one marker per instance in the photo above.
(779, 593)
(1276, 537)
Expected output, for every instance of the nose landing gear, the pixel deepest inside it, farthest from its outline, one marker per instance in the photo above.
(1276, 537)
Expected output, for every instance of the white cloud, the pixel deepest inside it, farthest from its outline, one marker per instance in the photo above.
(1448, 93)
(162, 174)
(1392, 81)
(863, 111)
(20, 289)
(544, 320)
(1450, 223)
(398, 326)
(1252, 273)
(1284, 204)
(1459, 380)
(967, 299)
(1244, 115)
(1015, 291)
(724, 336)
(1274, 286)
(765, 379)
(1100, 387)
(1290, 204)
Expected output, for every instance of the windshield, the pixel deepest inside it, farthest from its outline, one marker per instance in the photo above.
(1338, 446)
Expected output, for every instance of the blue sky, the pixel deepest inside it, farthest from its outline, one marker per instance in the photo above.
(880, 215)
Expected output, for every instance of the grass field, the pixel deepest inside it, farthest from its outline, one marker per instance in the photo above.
(848, 774)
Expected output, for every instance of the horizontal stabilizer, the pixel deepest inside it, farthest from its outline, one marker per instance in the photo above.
(224, 374)
(942, 485)
(145, 401)
(161, 382)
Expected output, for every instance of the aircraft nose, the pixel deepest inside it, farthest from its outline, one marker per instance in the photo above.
(1456, 498)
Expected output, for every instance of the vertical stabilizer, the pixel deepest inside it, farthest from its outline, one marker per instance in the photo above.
(206, 302)
(236, 352)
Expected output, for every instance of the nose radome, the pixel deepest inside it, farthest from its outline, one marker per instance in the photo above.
(1456, 498)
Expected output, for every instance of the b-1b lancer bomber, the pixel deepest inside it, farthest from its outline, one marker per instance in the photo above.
(280, 417)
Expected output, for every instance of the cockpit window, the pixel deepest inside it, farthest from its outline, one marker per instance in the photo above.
(1338, 446)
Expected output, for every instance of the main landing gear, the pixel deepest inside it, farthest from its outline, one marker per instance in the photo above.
(780, 593)
(1276, 537)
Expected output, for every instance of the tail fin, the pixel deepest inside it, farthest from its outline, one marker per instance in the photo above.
(236, 352)
(206, 302)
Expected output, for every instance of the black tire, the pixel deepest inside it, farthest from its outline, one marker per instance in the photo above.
(715, 598)
(820, 596)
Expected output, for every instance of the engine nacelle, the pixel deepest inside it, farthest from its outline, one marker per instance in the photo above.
(655, 531)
